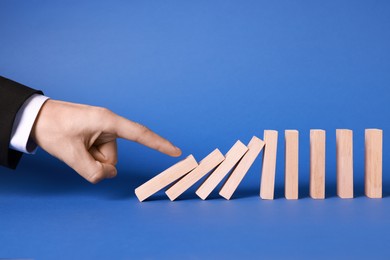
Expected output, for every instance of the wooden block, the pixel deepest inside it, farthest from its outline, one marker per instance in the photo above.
(165, 178)
(373, 163)
(254, 148)
(317, 164)
(231, 159)
(291, 164)
(205, 166)
(344, 163)
(267, 185)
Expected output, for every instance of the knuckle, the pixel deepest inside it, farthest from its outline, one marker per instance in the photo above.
(95, 178)
(159, 147)
(102, 111)
(142, 129)
(102, 116)
(139, 132)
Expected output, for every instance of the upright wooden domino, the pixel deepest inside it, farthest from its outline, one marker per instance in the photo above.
(317, 164)
(254, 148)
(344, 163)
(373, 163)
(291, 164)
(231, 159)
(165, 178)
(205, 166)
(267, 184)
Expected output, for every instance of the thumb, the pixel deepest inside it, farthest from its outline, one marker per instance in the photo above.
(89, 168)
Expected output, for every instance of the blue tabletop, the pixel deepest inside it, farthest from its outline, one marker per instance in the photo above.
(203, 74)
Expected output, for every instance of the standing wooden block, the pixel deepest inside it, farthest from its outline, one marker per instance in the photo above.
(231, 159)
(165, 178)
(373, 163)
(317, 164)
(254, 148)
(344, 163)
(205, 166)
(267, 185)
(291, 164)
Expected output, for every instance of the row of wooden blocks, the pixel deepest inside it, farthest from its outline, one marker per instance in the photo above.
(240, 158)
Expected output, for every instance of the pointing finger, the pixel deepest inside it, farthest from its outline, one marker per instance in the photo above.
(133, 131)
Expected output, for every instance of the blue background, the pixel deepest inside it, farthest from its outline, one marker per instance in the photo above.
(203, 74)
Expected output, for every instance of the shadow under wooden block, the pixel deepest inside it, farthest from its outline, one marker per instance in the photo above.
(317, 164)
(205, 166)
(267, 185)
(231, 159)
(373, 163)
(254, 148)
(165, 178)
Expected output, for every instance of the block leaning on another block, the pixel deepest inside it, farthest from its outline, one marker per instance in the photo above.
(205, 166)
(231, 159)
(317, 164)
(291, 164)
(267, 185)
(165, 178)
(254, 148)
(344, 163)
(373, 163)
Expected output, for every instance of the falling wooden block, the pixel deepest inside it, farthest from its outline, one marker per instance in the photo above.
(205, 166)
(373, 163)
(344, 163)
(291, 164)
(267, 185)
(165, 178)
(231, 159)
(317, 164)
(254, 148)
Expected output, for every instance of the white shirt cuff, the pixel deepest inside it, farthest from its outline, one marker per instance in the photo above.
(24, 121)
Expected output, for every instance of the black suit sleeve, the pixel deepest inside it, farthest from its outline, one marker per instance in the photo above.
(12, 97)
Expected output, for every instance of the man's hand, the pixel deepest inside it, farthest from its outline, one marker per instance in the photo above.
(84, 137)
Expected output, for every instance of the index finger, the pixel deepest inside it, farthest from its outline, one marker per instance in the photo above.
(134, 131)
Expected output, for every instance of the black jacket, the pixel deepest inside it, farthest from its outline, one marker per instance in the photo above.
(12, 97)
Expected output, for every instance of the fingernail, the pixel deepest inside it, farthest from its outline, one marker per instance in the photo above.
(178, 150)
